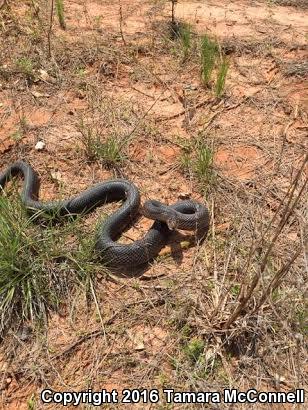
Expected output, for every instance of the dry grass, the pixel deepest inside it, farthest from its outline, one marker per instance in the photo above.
(294, 3)
(230, 312)
(295, 69)
(253, 46)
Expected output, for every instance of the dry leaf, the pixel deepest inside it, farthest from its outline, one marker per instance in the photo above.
(37, 94)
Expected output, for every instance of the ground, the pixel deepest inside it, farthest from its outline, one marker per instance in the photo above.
(115, 72)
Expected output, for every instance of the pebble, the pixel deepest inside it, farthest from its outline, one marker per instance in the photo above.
(40, 145)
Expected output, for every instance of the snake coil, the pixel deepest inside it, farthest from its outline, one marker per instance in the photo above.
(187, 215)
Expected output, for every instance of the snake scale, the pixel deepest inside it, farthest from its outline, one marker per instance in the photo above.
(187, 215)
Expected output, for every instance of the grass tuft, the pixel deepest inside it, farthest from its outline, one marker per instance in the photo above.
(24, 274)
(221, 77)
(36, 262)
(194, 349)
(210, 61)
(209, 52)
(185, 38)
(60, 13)
(108, 152)
(25, 65)
(197, 159)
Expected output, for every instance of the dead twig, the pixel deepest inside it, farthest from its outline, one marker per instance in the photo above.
(206, 102)
(277, 279)
(246, 294)
(50, 28)
(183, 112)
(121, 22)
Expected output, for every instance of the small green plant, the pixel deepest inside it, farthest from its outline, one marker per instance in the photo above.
(203, 162)
(221, 77)
(210, 367)
(301, 316)
(185, 38)
(25, 65)
(209, 52)
(109, 152)
(163, 379)
(198, 158)
(17, 135)
(235, 289)
(23, 123)
(31, 403)
(194, 349)
(60, 13)
(80, 71)
(186, 330)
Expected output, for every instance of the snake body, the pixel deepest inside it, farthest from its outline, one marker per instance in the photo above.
(188, 215)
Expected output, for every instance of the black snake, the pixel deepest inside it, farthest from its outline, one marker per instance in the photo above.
(187, 215)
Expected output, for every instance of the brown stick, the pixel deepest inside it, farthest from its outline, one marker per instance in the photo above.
(173, 10)
(244, 295)
(179, 114)
(50, 28)
(121, 22)
(275, 282)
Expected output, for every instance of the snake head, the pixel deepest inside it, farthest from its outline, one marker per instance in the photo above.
(171, 222)
(156, 210)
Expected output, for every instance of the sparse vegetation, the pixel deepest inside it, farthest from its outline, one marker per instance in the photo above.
(185, 38)
(36, 263)
(221, 77)
(27, 281)
(60, 13)
(295, 68)
(25, 65)
(211, 59)
(197, 158)
(194, 349)
(209, 53)
(108, 152)
(302, 319)
(293, 3)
